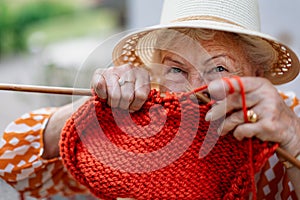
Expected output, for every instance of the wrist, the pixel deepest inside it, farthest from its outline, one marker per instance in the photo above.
(292, 139)
(292, 148)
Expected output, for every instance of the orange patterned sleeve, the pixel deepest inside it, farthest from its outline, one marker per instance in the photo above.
(292, 101)
(21, 164)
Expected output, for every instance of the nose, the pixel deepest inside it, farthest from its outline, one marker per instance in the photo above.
(197, 81)
(156, 76)
(156, 82)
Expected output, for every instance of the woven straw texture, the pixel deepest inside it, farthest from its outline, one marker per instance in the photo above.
(104, 154)
(234, 16)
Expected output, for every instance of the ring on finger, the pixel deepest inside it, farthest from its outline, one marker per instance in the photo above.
(252, 116)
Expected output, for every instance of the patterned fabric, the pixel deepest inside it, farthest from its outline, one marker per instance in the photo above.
(21, 165)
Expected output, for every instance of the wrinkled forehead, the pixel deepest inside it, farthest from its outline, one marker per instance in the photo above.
(193, 45)
(182, 44)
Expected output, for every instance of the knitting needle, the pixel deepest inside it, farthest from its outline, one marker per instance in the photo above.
(46, 89)
(288, 157)
(87, 92)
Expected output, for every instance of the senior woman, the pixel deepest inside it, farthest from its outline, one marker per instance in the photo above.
(198, 43)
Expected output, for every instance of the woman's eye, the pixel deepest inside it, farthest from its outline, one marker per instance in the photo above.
(176, 70)
(219, 69)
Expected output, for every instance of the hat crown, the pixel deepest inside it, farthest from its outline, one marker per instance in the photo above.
(244, 13)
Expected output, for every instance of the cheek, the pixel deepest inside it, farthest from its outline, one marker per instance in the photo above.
(171, 87)
(196, 81)
(176, 77)
(214, 76)
(249, 70)
(175, 83)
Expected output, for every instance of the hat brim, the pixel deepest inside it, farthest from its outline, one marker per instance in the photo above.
(276, 76)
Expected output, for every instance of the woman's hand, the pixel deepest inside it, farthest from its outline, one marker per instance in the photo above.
(125, 86)
(276, 121)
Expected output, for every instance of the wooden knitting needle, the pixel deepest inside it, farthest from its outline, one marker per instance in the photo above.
(46, 89)
(87, 92)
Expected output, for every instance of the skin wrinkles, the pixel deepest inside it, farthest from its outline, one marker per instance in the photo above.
(200, 68)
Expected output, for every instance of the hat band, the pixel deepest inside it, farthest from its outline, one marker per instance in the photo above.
(209, 18)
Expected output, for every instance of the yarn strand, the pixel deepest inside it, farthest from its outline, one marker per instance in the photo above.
(244, 108)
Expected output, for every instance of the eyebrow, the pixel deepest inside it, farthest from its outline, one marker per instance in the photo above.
(168, 58)
(214, 57)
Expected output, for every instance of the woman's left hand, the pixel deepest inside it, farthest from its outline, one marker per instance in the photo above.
(276, 122)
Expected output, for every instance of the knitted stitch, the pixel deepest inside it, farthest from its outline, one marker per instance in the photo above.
(154, 153)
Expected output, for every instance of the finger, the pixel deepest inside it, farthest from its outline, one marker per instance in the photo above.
(127, 89)
(113, 90)
(263, 129)
(249, 130)
(240, 135)
(232, 121)
(142, 89)
(217, 111)
(230, 104)
(98, 84)
(220, 88)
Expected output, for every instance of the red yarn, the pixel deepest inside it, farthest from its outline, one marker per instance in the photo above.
(231, 88)
(154, 152)
(244, 108)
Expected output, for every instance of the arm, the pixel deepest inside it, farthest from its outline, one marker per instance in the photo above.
(21, 164)
(54, 127)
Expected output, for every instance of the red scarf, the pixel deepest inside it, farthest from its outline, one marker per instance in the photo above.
(166, 150)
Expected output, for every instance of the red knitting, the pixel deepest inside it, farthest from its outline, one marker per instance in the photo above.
(154, 153)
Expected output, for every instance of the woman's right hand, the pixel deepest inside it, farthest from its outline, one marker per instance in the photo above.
(124, 86)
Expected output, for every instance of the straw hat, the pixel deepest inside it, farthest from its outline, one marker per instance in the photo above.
(236, 16)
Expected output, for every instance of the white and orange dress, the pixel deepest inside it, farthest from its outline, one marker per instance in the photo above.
(22, 166)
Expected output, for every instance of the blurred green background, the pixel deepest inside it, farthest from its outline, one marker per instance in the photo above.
(26, 23)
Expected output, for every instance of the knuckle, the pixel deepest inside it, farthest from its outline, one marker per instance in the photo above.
(234, 119)
(114, 98)
(234, 100)
(263, 137)
(237, 134)
(99, 71)
(123, 68)
(98, 85)
(141, 95)
(124, 105)
(128, 97)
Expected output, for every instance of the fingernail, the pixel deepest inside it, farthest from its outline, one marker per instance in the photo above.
(223, 133)
(208, 116)
(239, 138)
(219, 131)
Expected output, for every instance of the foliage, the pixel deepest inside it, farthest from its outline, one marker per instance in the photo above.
(15, 21)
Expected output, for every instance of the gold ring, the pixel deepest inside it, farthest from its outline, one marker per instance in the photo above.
(252, 116)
